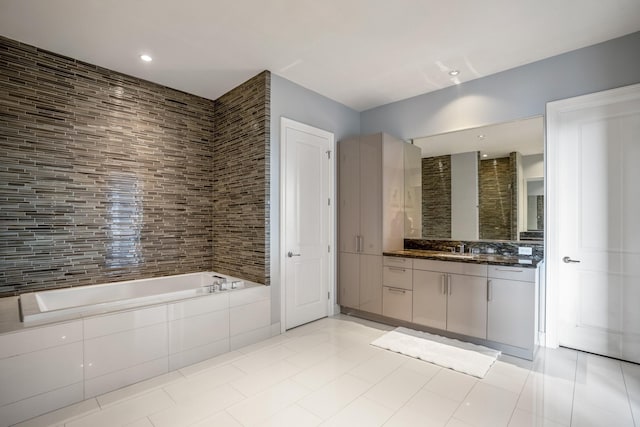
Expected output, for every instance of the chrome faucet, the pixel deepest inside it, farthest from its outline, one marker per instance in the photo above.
(218, 284)
(461, 246)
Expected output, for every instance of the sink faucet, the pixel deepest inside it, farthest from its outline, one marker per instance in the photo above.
(461, 246)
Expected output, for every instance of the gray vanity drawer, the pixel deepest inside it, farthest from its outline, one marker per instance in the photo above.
(396, 303)
(512, 273)
(397, 277)
(395, 261)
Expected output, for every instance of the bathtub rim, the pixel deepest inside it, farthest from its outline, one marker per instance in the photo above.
(39, 318)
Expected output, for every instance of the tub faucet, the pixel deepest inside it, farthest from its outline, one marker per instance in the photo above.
(219, 283)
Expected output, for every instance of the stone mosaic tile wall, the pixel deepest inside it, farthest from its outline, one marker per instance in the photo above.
(241, 180)
(436, 197)
(497, 199)
(540, 211)
(104, 177)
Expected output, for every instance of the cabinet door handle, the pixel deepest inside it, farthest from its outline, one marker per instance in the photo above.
(361, 244)
(398, 269)
(489, 290)
(449, 286)
(357, 243)
(443, 286)
(399, 291)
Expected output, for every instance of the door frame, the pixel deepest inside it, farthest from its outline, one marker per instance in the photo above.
(552, 215)
(286, 123)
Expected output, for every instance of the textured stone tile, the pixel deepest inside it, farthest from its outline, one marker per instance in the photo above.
(105, 177)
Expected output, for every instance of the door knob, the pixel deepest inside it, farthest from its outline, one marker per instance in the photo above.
(568, 260)
(291, 254)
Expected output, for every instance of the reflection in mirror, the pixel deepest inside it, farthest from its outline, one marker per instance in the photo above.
(474, 184)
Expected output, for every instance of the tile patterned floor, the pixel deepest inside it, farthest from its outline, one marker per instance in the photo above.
(326, 373)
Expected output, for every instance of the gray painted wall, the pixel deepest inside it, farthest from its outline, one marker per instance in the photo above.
(305, 106)
(513, 94)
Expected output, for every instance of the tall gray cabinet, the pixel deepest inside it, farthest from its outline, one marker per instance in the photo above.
(370, 216)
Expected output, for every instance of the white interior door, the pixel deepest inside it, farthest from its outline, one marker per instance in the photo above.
(594, 158)
(307, 223)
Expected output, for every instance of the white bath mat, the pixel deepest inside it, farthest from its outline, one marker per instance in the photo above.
(460, 356)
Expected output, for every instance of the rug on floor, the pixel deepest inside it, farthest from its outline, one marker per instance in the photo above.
(449, 353)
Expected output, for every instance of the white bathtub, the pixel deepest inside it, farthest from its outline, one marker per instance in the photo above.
(78, 343)
(61, 304)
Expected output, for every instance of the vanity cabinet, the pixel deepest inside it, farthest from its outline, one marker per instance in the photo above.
(397, 290)
(370, 216)
(511, 306)
(451, 296)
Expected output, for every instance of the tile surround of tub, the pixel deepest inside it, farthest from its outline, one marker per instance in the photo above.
(107, 177)
(241, 180)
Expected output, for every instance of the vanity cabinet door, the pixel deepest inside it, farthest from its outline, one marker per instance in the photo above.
(467, 305)
(371, 283)
(511, 312)
(430, 299)
(349, 279)
(349, 195)
(371, 194)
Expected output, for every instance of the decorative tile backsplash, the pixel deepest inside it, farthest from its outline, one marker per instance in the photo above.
(106, 177)
(241, 180)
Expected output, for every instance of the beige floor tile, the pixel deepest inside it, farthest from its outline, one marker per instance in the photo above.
(330, 399)
(293, 416)
(323, 373)
(196, 409)
(451, 384)
(522, 418)
(360, 412)
(425, 408)
(260, 407)
(487, 406)
(257, 382)
(396, 389)
(126, 411)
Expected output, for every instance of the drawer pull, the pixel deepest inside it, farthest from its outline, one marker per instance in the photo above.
(402, 270)
(509, 271)
(396, 290)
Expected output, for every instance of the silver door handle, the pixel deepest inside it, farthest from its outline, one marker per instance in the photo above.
(489, 282)
(291, 254)
(568, 260)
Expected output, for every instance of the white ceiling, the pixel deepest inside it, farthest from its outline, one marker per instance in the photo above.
(524, 136)
(362, 53)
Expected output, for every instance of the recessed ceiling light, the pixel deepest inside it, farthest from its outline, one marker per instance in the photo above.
(146, 58)
(484, 155)
(454, 73)
(481, 136)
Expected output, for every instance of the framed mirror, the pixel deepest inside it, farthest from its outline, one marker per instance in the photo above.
(484, 183)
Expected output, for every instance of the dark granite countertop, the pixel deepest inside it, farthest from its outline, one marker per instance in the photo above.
(513, 261)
